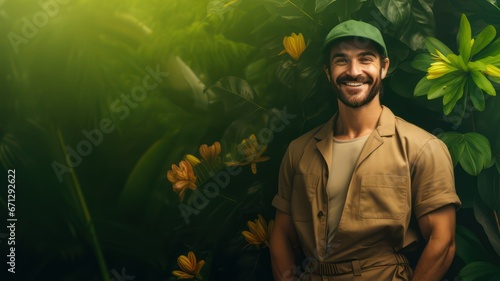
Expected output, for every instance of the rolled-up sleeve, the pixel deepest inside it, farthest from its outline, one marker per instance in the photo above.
(433, 184)
(281, 200)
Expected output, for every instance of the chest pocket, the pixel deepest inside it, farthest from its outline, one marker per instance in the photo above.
(383, 197)
(304, 190)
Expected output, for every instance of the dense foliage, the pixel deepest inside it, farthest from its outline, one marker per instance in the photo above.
(147, 135)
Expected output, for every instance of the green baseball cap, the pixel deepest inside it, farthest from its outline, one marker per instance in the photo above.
(354, 28)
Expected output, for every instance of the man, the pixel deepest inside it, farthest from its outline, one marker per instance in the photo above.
(354, 192)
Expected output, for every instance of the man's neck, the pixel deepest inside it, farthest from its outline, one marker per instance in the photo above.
(353, 123)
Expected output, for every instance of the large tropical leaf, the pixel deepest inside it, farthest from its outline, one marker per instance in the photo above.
(480, 271)
(345, 8)
(419, 26)
(488, 184)
(288, 9)
(471, 150)
(322, 4)
(232, 95)
(479, 10)
(488, 219)
(469, 247)
(396, 11)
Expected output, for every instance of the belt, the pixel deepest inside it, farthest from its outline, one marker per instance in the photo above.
(354, 266)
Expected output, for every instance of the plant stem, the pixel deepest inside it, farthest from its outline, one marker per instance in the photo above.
(496, 220)
(86, 213)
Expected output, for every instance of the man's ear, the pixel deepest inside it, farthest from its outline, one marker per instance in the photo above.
(327, 72)
(384, 67)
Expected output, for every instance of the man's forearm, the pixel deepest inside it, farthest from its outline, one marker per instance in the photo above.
(435, 260)
(282, 258)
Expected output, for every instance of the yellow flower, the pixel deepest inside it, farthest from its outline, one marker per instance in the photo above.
(182, 177)
(441, 67)
(189, 267)
(193, 160)
(294, 45)
(259, 232)
(252, 151)
(210, 153)
(492, 70)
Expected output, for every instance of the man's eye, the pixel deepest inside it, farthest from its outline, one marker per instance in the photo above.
(366, 59)
(340, 61)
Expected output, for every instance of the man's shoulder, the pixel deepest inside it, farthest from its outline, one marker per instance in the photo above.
(413, 133)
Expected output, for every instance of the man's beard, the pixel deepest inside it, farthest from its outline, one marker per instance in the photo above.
(376, 87)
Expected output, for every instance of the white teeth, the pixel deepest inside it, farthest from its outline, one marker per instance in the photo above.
(353, 84)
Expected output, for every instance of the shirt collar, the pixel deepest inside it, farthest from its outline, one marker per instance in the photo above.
(386, 125)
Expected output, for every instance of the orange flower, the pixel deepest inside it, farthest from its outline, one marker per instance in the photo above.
(182, 177)
(210, 153)
(253, 151)
(259, 232)
(189, 268)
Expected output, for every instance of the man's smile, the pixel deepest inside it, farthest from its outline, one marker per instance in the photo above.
(353, 84)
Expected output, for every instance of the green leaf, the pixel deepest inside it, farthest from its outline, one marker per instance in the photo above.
(494, 79)
(396, 11)
(483, 39)
(322, 4)
(488, 220)
(491, 50)
(422, 62)
(432, 44)
(464, 39)
(476, 95)
(287, 9)
(140, 182)
(471, 150)
(456, 146)
(452, 97)
(232, 95)
(483, 83)
(420, 25)
(423, 87)
(454, 90)
(495, 60)
(477, 153)
(457, 61)
(476, 65)
(444, 84)
(479, 271)
(488, 184)
(469, 247)
(345, 8)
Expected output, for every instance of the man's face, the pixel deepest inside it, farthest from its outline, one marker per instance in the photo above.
(356, 72)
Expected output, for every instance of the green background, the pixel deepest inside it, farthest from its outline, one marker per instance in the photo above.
(89, 208)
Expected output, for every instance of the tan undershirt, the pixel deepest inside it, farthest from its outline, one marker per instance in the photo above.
(345, 155)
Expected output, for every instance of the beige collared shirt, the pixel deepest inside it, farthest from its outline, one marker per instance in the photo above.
(402, 171)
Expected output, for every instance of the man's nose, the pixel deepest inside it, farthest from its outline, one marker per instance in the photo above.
(354, 68)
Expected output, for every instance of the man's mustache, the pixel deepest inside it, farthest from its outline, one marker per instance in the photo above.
(360, 79)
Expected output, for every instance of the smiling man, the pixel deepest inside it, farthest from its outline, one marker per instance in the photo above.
(357, 192)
